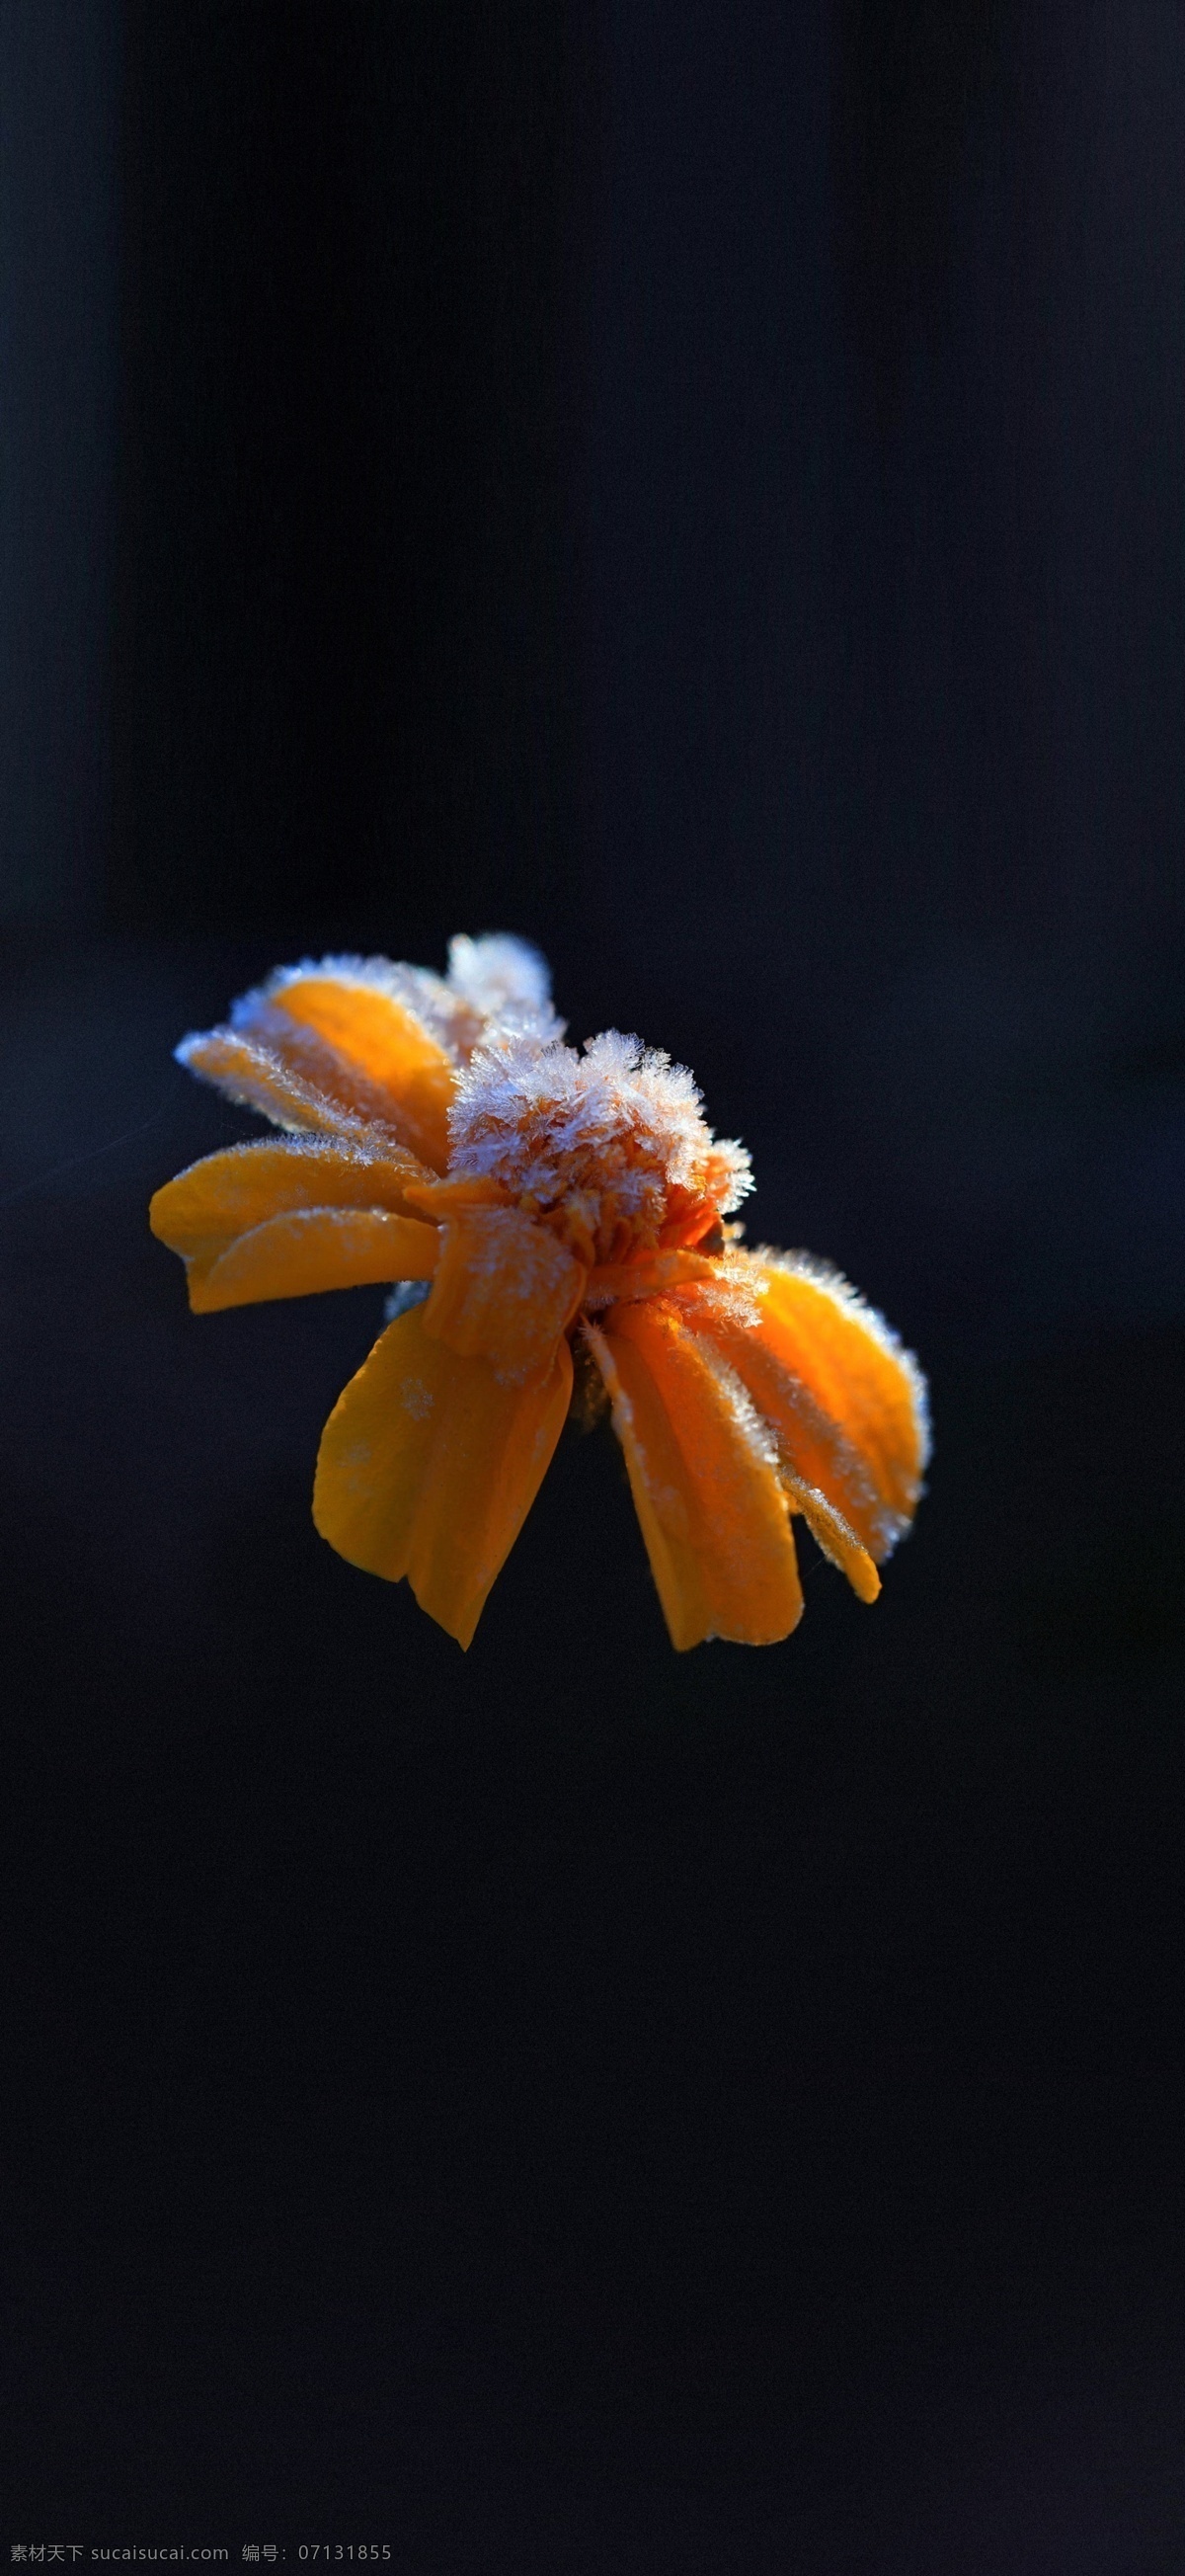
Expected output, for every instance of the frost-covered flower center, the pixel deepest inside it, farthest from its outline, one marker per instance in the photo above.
(610, 1147)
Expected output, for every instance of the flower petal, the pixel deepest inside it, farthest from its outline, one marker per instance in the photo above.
(836, 1539)
(707, 1493)
(310, 1250)
(620, 1282)
(299, 1095)
(429, 1465)
(382, 1053)
(856, 1366)
(846, 1403)
(207, 1207)
(505, 1290)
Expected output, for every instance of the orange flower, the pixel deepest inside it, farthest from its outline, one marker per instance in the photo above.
(439, 1134)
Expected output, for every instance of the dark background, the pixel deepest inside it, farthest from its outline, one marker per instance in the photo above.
(701, 486)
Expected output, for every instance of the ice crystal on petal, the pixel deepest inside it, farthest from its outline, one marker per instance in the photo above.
(427, 996)
(505, 982)
(806, 1265)
(492, 983)
(751, 1425)
(405, 1294)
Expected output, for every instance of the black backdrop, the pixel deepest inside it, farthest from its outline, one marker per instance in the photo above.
(703, 488)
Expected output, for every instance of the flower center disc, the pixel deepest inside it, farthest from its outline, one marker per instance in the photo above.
(610, 1148)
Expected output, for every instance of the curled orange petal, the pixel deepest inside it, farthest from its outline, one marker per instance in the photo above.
(429, 1465)
(311, 1250)
(614, 1282)
(842, 1399)
(303, 1096)
(855, 1365)
(706, 1490)
(837, 1540)
(505, 1289)
(203, 1211)
(442, 1198)
(384, 1055)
